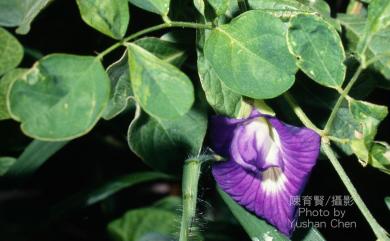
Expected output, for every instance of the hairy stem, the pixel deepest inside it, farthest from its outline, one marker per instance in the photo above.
(152, 29)
(191, 173)
(380, 233)
(341, 98)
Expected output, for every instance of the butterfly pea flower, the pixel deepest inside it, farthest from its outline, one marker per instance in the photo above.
(267, 164)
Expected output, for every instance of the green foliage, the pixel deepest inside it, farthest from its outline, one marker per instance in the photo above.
(378, 19)
(60, 98)
(378, 45)
(11, 52)
(246, 51)
(237, 49)
(20, 13)
(120, 75)
(164, 144)
(33, 157)
(155, 6)
(280, 8)
(319, 50)
(358, 122)
(369, 117)
(387, 201)
(170, 203)
(167, 51)
(380, 156)
(5, 164)
(110, 17)
(322, 8)
(220, 98)
(134, 225)
(107, 189)
(160, 88)
(220, 6)
(286, 9)
(5, 85)
(121, 91)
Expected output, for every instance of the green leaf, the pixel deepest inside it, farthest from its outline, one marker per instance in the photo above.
(378, 46)
(95, 195)
(200, 6)
(380, 156)
(369, 117)
(120, 76)
(5, 86)
(344, 127)
(134, 224)
(221, 99)
(280, 8)
(170, 203)
(165, 144)
(5, 164)
(35, 154)
(61, 97)
(319, 50)
(160, 7)
(121, 91)
(256, 228)
(11, 52)
(322, 7)
(285, 9)
(220, 6)
(20, 13)
(167, 51)
(110, 17)
(236, 50)
(311, 234)
(358, 121)
(378, 18)
(160, 88)
(387, 201)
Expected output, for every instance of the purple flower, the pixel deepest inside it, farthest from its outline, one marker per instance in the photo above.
(268, 163)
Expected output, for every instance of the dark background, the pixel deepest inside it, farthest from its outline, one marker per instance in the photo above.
(103, 154)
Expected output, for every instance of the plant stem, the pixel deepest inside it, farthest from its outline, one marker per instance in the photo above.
(378, 230)
(340, 100)
(301, 114)
(152, 29)
(191, 173)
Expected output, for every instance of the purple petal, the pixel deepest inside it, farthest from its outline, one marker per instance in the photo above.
(268, 163)
(222, 130)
